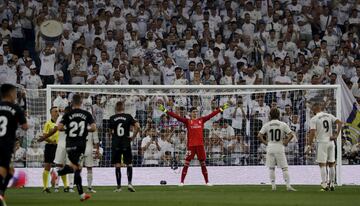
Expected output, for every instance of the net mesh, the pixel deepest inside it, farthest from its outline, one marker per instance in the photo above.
(229, 137)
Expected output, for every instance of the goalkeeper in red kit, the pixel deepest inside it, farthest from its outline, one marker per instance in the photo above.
(195, 142)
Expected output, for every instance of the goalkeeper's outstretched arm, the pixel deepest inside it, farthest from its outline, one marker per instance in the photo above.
(220, 109)
(172, 114)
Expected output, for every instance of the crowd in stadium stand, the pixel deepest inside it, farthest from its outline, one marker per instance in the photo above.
(183, 42)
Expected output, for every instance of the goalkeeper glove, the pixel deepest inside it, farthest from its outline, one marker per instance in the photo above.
(162, 108)
(225, 106)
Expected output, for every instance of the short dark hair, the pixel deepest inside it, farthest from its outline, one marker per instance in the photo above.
(67, 109)
(274, 113)
(53, 107)
(6, 89)
(193, 108)
(119, 106)
(77, 99)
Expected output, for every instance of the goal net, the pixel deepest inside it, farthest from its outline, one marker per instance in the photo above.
(230, 138)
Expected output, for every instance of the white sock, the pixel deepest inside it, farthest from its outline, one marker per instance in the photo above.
(89, 178)
(71, 180)
(57, 178)
(272, 177)
(331, 175)
(323, 175)
(286, 177)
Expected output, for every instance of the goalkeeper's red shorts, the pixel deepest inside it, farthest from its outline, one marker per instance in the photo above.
(199, 151)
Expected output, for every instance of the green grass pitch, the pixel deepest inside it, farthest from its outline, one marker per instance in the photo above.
(192, 195)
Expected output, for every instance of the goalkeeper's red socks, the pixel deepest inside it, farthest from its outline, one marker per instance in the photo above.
(184, 172)
(204, 172)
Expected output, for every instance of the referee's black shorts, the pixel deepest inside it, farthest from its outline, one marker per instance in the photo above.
(49, 154)
(118, 152)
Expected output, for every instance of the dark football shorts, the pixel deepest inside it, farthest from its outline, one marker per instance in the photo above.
(5, 156)
(118, 152)
(75, 154)
(49, 153)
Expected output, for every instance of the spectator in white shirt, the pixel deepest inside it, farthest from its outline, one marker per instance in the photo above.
(248, 27)
(355, 89)
(336, 67)
(228, 79)
(179, 77)
(282, 78)
(34, 155)
(151, 149)
(168, 72)
(19, 158)
(61, 101)
(47, 69)
(280, 52)
(355, 78)
(96, 78)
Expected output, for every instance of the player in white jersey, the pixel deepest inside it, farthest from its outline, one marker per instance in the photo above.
(278, 135)
(321, 128)
(89, 161)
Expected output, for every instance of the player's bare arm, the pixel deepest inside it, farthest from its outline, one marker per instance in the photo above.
(338, 129)
(92, 127)
(311, 140)
(45, 136)
(61, 127)
(289, 137)
(137, 129)
(262, 138)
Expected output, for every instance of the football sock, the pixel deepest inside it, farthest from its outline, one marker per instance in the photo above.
(57, 178)
(118, 176)
(2, 186)
(64, 179)
(323, 175)
(204, 172)
(332, 174)
(286, 177)
(45, 177)
(78, 182)
(4, 183)
(184, 172)
(71, 180)
(272, 177)
(129, 174)
(89, 178)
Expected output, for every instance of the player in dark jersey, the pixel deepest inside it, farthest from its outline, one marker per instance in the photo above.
(119, 126)
(76, 124)
(11, 116)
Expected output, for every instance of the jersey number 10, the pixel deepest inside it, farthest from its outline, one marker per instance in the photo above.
(275, 135)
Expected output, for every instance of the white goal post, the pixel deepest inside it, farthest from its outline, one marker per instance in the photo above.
(198, 89)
